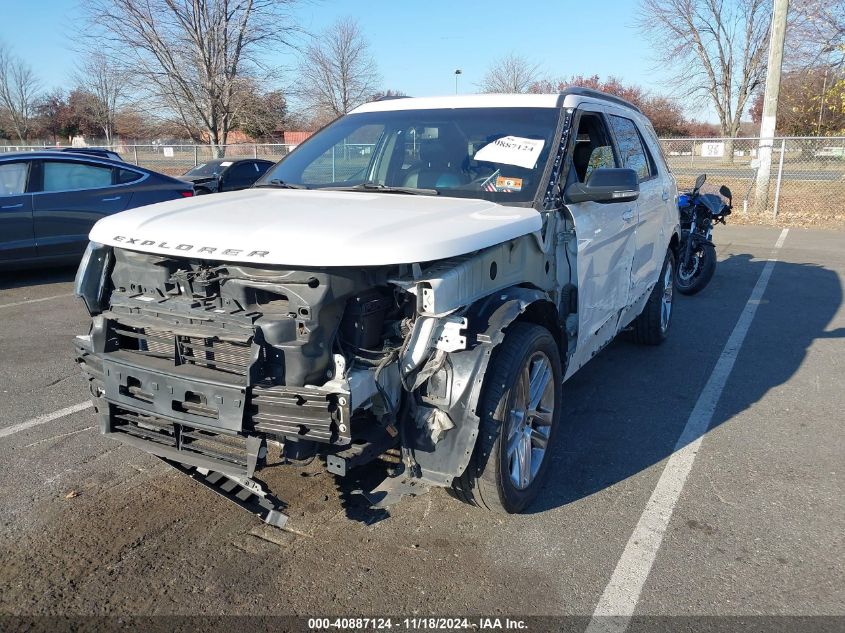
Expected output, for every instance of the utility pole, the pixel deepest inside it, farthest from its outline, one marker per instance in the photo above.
(770, 104)
(458, 71)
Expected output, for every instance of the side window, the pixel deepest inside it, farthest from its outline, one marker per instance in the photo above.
(593, 149)
(241, 172)
(348, 160)
(70, 176)
(13, 178)
(125, 176)
(631, 148)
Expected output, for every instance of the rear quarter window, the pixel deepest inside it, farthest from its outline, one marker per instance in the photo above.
(126, 176)
(653, 142)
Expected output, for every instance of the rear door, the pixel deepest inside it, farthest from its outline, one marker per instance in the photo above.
(17, 236)
(72, 195)
(650, 235)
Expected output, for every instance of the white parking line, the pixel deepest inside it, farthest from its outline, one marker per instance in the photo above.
(20, 303)
(619, 600)
(42, 419)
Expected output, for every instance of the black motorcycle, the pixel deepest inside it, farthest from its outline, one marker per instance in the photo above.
(697, 254)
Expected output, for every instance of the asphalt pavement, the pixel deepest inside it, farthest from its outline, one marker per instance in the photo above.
(754, 527)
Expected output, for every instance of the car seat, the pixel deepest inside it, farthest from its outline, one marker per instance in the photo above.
(581, 159)
(442, 163)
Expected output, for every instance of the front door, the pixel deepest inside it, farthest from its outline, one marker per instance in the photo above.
(605, 235)
(17, 237)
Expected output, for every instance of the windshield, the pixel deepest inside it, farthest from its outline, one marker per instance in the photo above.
(492, 153)
(207, 169)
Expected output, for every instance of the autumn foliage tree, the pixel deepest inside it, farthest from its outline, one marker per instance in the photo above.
(666, 115)
(811, 103)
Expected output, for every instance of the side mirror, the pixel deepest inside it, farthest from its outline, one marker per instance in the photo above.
(726, 193)
(606, 185)
(699, 182)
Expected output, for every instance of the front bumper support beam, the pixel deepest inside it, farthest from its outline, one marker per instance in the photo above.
(247, 493)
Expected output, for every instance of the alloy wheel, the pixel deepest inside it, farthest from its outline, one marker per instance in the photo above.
(666, 299)
(530, 421)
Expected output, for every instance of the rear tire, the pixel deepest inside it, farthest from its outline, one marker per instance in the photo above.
(706, 266)
(519, 409)
(652, 326)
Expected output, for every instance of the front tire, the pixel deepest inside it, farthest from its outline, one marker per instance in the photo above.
(519, 410)
(690, 282)
(651, 327)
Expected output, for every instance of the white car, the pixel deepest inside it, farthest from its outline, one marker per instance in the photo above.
(422, 302)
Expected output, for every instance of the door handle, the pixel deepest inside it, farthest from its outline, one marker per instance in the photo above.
(110, 199)
(665, 196)
(628, 215)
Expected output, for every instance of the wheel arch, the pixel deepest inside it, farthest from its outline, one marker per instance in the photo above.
(488, 322)
(675, 241)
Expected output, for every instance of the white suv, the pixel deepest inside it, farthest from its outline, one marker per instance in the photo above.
(415, 282)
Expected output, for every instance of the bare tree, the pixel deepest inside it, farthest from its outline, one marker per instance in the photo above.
(509, 74)
(107, 84)
(19, 91)
(337, 72)
(816, 34)
(191, 54)
(260, 114)
(716, 47)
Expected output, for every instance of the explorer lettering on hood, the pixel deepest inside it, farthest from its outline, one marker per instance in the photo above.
(188, 248)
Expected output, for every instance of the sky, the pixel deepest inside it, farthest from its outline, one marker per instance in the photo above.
(417, 44)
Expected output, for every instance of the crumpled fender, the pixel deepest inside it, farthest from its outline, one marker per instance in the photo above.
(464, 374)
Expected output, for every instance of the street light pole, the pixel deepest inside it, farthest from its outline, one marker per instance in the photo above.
(458, 71)
(770, 105)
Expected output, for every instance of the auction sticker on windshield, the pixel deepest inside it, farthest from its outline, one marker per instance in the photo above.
(503, 183)
(512, 150)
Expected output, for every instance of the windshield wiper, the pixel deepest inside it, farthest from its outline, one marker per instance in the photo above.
(376, 187)
(280, 184)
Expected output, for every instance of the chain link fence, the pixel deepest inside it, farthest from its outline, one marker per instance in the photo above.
(176, 159)
(807, 173)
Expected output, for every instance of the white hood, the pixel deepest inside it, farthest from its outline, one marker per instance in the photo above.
(316, 228)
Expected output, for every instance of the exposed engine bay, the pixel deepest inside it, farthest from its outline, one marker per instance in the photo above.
(231, 368)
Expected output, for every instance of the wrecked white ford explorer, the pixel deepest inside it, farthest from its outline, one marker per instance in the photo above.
(414, 283)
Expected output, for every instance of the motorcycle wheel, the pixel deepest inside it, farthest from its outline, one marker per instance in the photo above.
(703, 265)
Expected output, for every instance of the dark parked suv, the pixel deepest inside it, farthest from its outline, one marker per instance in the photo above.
(50, 200)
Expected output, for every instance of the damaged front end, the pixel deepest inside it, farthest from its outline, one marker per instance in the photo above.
(224, 369)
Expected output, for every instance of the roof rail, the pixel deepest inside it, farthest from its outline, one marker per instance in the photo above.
(597, 94)
(392, 97)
